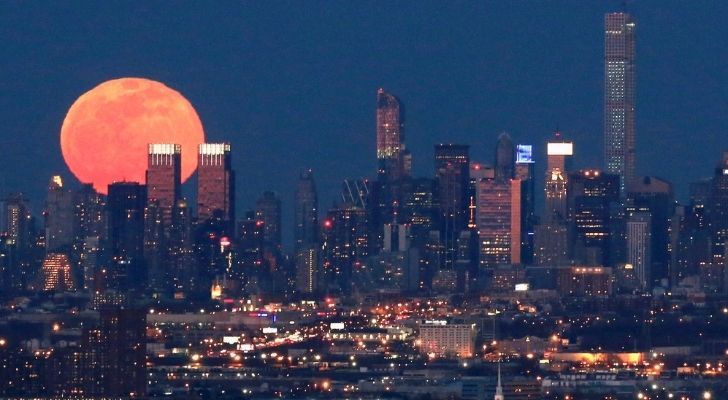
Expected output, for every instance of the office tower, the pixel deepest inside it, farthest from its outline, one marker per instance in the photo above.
(58, 215)
(116, 353)
(306, 212)
(215, 182)
(390, 137)
(57, 273)
(591, 196)
(433, 260)
(639, 245)
(213, 249)
(499, 221)
(183, 274)
(525, 172)
(452, 172)
(552, 233)
(656, 197)
(419, 208)
(504, 157)
(250, 241)
(619, 96)
(125, 210)
(345, 245)
(268, 210)
(558, 154)
(693, 248)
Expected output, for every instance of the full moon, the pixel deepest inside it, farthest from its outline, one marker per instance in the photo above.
(106, 133)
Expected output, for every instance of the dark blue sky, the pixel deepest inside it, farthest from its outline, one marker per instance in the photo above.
(292, 84)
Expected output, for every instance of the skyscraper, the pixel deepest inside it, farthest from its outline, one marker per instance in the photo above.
(499, 221)
(164, 177)
(306, 212)
(126, 203)
(638, 238)
(655, 197)
(89, 231)
(390, 136)
(592, 195)
(552, 233)
(58, 215)
(619, 96)
(525, 172)
(268, 210)
(505, 152)
(452, 172)
(163, 192)
(215, 182)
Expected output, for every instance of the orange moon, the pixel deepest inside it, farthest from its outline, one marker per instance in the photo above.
(105, 135)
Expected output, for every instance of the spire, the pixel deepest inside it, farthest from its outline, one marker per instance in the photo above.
(499, 388)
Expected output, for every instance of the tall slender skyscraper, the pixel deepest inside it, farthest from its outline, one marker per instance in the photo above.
(306, 212)
(619, 96)
(390, 136)
(215, 182)
(452, 171)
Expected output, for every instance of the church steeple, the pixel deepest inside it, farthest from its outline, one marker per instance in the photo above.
(499, 388)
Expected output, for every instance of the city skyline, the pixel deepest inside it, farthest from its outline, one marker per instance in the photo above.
(488, 111)
(257, 217)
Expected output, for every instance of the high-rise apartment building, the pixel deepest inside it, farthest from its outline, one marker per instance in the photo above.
(619, 96)
(164, 177)
(116, 350)
(215, 182)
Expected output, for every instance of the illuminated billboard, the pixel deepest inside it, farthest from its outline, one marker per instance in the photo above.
(524, 154)
(560, 149)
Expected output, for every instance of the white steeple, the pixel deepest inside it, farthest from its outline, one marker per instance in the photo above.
(499, 388)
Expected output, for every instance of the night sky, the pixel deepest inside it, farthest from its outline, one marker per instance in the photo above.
(293, 84)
